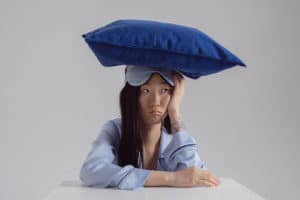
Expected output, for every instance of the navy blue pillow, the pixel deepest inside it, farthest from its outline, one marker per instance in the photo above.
(153, 43)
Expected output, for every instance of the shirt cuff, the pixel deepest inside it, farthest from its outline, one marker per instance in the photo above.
(135, 179)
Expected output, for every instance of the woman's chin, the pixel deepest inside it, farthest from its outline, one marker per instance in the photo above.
(155, 119)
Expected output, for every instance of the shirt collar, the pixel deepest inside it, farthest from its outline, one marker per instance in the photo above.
(164, 141)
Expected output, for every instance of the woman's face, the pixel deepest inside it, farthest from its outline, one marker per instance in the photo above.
(155, 95)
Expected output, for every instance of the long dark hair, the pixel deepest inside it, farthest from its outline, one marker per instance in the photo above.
(131, 140)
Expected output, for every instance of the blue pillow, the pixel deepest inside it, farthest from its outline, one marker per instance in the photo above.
(153, 43)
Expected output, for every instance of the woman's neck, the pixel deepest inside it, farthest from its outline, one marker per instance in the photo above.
(151, 137)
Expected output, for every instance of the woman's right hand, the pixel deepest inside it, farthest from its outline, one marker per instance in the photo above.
(194, 176)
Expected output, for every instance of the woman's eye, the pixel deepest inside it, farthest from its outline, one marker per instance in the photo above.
(145, 90)
(165, 89)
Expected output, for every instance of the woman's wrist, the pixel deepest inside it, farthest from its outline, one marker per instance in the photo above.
(160, 178)
(170, 177)
(176, 121)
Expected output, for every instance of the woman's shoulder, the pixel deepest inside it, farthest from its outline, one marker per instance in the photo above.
(116, 121)
(114, 125)
(109, 131)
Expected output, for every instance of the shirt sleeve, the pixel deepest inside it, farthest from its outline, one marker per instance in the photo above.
(182, 152)
(100, 168)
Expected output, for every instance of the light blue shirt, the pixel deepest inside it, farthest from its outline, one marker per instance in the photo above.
(101, 169)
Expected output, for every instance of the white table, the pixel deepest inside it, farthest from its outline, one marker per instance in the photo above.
(229, 189)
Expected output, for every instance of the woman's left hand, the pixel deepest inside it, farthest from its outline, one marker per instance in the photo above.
(177, 94)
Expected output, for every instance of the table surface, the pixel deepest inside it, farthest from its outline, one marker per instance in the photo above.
(228, 189)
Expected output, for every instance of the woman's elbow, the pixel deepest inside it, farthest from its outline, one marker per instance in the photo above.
(85, 177)
(89, 176)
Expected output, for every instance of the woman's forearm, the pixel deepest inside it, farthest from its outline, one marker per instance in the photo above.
(160, 178)
(176, 121)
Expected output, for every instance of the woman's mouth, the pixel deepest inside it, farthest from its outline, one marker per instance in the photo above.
(155, 113)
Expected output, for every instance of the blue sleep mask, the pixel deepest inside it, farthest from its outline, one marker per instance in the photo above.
(138, 75)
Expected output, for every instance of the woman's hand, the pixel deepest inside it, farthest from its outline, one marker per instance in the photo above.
(193, 176)
(177, 94)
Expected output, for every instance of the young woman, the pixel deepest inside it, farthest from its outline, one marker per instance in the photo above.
(148, 145)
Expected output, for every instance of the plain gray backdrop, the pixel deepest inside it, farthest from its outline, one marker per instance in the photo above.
(55, 95)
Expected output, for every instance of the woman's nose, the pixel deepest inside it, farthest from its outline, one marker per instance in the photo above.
(155, 99)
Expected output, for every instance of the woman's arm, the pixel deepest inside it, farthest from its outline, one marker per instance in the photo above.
(160, 178)
(99, 169)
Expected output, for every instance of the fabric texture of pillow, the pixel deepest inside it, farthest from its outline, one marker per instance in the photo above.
(152, 43)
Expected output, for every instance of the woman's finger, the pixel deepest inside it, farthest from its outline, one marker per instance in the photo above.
(175, 78)
(180, 77)
(213, 180)
(205, 182)
(217, 179)
(209, 177)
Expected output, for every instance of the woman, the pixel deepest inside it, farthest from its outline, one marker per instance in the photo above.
(148, 145)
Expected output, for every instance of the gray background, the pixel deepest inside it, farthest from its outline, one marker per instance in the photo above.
(55, 95)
